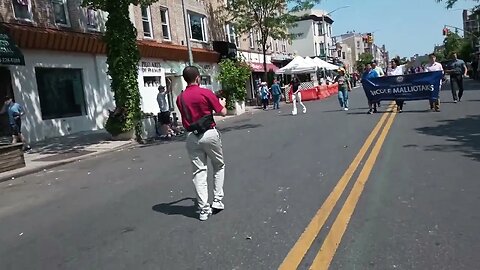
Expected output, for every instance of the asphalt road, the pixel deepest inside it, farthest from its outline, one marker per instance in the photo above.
(410, 202)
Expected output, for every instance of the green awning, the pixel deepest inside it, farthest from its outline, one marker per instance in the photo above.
(10, 54)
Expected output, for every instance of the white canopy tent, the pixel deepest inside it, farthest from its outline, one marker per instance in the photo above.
(324, 64)
(298, 65)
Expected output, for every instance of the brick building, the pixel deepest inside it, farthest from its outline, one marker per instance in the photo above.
(61, 79)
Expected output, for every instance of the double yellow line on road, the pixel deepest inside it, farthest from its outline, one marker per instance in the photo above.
(325, 256)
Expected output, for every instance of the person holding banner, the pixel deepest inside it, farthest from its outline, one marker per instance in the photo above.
(369, 74)
(432, 66)
(397, 70)
(457, 71)
(344, 87)
(296, 95)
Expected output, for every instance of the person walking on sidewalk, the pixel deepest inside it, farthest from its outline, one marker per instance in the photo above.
(432, 66)
(15, 112)
(343, 88)
(277, 94)
(196, 107)
(296, 95)
(264, 94)
(457, 71)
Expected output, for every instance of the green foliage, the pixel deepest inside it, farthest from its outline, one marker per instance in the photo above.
(122, 59)
(363, 60)
(233, 75)
(451, 3)
(270, 18)
(462, 46)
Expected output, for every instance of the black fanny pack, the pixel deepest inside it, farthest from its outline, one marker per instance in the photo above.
(202, 125)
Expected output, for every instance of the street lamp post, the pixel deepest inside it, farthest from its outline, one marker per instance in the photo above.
(324, 29)
(187, 34)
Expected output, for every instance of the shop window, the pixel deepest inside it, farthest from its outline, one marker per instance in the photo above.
(206, 81)
(61, 92)
(344, 56)
(147, 22)
(165, 23)
(22, 9)
(198, 27)
(60, 9)
(152, 81)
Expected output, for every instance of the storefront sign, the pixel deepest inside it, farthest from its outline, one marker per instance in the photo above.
(151, 67)
(9, 52)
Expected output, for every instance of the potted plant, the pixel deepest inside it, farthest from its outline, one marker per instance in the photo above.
(233, 76)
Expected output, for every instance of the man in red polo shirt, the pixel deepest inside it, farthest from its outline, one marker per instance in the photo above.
(196, 106)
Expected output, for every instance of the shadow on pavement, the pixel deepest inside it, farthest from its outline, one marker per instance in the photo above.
(463, 132)
(239, 127)
(174, 209)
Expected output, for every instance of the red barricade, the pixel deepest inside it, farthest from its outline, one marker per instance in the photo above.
(323, 91)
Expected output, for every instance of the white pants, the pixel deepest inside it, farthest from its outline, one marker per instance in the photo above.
(207, 145)
(295, 97)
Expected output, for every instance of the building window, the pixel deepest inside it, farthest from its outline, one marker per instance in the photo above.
(322, 48)
(316, 49)
(165, 23)
(329, 30)
(147, 22)
(206, 81)
(231, 35)
(276, 45)
(316, 31)
(358, 44)
(61, 92)
(284, 46)
(22, 9)
(60, 10)
(320, 29)
(251, 39)
(198, 27)
(92, 18)
(344, 55)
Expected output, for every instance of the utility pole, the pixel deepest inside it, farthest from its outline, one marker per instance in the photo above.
(187, 34)
(324, 29)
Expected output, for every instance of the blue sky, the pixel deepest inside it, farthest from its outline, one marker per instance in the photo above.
(406, 27)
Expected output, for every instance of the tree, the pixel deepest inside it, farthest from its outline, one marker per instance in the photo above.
(462, 46)
(122, 59)
(269, 18)
(363, 60)
(451, 3)
(233, 75)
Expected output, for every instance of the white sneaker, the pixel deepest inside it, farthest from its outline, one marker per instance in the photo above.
(346, 109)
(294, 112)
(304, 110)
(205, 214)
(217, 204)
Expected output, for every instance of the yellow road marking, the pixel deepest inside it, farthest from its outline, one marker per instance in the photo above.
(303, 244)
(332, 241)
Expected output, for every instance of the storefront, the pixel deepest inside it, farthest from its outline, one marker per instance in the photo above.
(10, 55)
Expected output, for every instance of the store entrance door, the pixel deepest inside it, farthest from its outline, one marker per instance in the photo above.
(5, 90)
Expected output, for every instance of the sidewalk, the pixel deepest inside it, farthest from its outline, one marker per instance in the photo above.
(54, 152)
(58, 151)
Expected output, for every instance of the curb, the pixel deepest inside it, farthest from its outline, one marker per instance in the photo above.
(64, 162)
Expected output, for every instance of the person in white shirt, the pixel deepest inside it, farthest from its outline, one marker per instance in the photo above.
(380, 73)
(164, 115)
(432, 66)
(397, 70)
